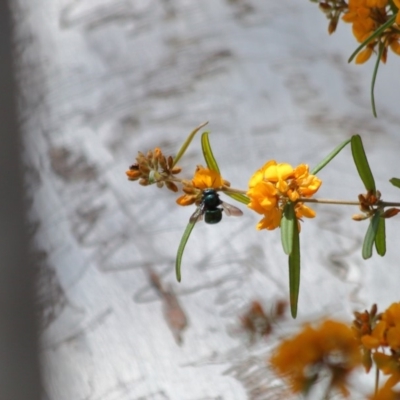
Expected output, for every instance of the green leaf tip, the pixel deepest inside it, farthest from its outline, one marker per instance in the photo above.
(208, 154)
(370, 236)
(186, 143)
(380, 239)
(395, 182)
(361, 162)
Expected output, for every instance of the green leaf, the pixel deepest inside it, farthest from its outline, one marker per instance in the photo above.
(329, 157)
(294, 270)
(360, 159)
(181, 248)
(287, 228)
(370, 236)
(380, 239)
(208, 154)
(186, 143)
(375, 35)
(395, 182)
(374, 74)
(241, 198)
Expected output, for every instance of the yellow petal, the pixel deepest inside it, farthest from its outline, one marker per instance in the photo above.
(364, 55)
(271, 220)
(205, 178)
(256, 178)
(274, 173)
(185, 200)
(393, 338)
(395, 46)
(392, 315)
(262, 197)
(304, 211)
(370, 342)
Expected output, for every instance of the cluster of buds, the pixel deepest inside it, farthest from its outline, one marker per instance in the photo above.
(154, 168)
(364, 324)
(370, 204)
(379, 336)
(333, 9)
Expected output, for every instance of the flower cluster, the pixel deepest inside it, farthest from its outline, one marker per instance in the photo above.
(329, 349)
(382, 335)
(203, 178)
(366, 16)
(272, 186)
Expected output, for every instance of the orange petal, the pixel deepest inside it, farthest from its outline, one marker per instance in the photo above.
(364, 55)
(186, 200)
(304, 211)
(205, 178)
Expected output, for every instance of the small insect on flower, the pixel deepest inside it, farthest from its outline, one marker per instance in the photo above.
(211, 210)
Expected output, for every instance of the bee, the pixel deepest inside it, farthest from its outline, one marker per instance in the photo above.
(211, 210)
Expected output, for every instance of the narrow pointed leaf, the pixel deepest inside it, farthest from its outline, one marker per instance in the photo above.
(395, 182)
(376, 34)
(380, 240)
(329, 157)
(360, 159)
(374, 74)
(241, 198)
(181, 248)
(186, 143)
(370, 236)
(294, 270)
(208, 154)
(287, 228)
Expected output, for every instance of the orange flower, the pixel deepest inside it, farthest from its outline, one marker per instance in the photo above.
(273, 185)
(389, 365)
(367, 16)
(386, 393)
(203, 178)
(331, 348)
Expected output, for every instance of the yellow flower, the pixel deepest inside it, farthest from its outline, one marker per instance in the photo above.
(331, 348)
(397, 3)
(392, 315)
(273, 185)
(389, 365)
(367, 16)
(386, 332)
(203, 178)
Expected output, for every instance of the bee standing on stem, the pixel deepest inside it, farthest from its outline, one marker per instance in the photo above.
(209, 207)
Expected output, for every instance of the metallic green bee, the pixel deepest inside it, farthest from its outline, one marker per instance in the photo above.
(210, 208)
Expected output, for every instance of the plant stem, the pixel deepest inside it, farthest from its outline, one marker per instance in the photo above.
(346, 202)
(376, 379)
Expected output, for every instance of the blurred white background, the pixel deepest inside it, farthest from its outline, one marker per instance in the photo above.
(100, 81)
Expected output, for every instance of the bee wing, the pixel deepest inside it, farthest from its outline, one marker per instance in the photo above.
(197, 215)
(231, 210)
